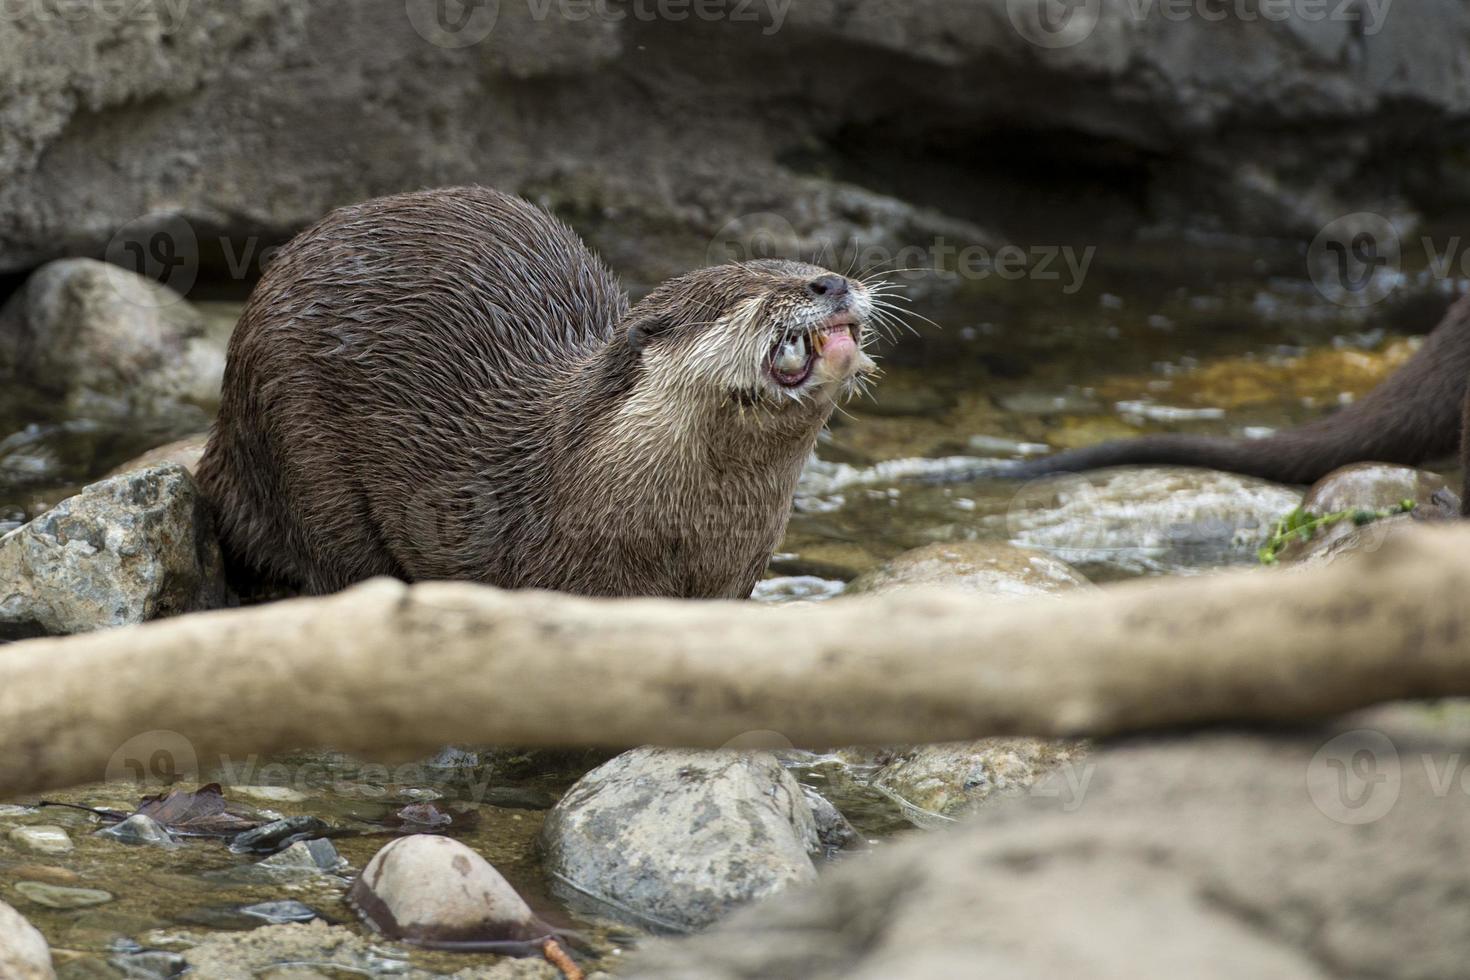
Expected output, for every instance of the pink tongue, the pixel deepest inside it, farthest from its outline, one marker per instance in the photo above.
(839, 349)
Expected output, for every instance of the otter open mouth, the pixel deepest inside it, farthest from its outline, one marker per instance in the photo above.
(792, 358)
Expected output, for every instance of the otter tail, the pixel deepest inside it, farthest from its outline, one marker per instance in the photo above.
(1414, 416)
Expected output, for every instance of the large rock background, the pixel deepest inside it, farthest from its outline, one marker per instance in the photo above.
(895, 121)
(1338, 852)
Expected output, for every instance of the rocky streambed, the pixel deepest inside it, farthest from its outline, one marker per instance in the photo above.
(607, 850)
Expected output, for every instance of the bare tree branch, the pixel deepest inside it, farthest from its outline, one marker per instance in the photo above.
(388, 669)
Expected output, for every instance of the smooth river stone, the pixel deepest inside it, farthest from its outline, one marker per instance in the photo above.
(42, 838)
(60, 897)
(426, 887)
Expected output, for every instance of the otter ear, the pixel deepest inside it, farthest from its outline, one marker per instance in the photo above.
(645, 327)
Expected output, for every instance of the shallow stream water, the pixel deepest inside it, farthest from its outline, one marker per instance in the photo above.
(1160, 337)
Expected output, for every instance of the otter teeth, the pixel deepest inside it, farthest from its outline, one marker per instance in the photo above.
(791, 355)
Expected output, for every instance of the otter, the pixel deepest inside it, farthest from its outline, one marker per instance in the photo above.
(1420, 413)
(449, 385)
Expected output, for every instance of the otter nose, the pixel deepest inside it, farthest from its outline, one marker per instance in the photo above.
(829, 285)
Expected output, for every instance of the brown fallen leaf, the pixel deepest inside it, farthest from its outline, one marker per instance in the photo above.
(204, 812)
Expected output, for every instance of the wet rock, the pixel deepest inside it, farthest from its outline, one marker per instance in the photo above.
(61, 897)
(278, 834)
(271, 951)
(306, 857)
(675, 839)
(834, 830)
(796, 588)
(429, 888)
(42, 838)
(139, 829)
(990, 568)
(1209, 856)
(110, 344)
(1371, 494)
(151, 964)
(125, 550)
(1378, 486)
(937, 784)
(1148, 519)
(277, 913)
(24, 954)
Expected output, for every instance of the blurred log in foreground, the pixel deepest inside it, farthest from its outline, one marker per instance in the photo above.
(386, 669)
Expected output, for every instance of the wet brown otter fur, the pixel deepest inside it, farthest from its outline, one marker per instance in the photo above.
(450, 385)
(1421, 413)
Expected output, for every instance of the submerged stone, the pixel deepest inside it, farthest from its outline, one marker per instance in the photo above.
(61, 897)
(139, 829)
(674, 839)
(42, 838)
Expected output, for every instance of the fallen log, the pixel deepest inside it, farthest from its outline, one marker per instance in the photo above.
(387, 669)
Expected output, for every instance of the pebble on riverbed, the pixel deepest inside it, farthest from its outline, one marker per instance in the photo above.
(42, 838)
(673, 839)
(123, 551)
(61, 897)
(139, 829)
(431, 889)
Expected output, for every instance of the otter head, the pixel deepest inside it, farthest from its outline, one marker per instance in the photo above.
(768, 332)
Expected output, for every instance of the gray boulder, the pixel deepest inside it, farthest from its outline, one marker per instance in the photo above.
(125, 550)
(111, 345)
(1343, 853)
(673, 840)
(24, 954)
